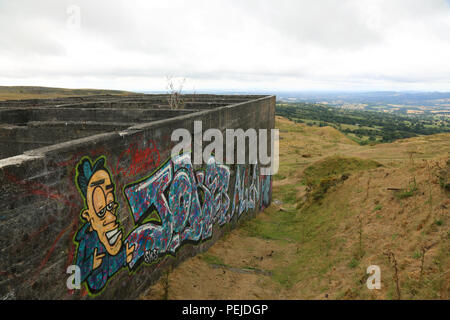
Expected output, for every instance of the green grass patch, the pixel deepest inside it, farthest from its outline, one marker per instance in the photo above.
(439, 223)
(278, 177)
(287, 193)
(312, 230)
(407, 192)
(334, 166)
(353, 263)
(417, 255)
(325, 174)
(211, 259)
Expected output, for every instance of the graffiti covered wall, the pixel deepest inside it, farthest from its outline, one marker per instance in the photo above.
(120, 208)
(174, 205)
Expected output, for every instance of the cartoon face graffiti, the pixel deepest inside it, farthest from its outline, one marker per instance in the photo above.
(101, 251)
(184, 213)
(101, 211)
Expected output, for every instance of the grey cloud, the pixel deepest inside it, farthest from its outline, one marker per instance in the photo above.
(212, 39)
(26, 28)
(327, 23)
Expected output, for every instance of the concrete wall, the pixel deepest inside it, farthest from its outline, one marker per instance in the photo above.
(46, 223)
(15, 140)
(21, 116)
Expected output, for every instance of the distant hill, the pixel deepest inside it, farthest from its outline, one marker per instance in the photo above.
(411, 98)
(29, 92)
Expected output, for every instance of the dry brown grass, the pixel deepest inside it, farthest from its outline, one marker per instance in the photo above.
(321, 250)
(23, 92)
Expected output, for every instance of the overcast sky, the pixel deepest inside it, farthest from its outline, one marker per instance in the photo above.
(229, 44)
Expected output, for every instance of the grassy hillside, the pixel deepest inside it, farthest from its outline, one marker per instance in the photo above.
(22, 92)
(338, 207)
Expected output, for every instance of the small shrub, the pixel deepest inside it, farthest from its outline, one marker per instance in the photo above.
(417, 255)
(353, 263)
(404, 194)
(408, 192)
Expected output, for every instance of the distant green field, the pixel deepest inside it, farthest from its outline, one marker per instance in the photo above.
(362, 126)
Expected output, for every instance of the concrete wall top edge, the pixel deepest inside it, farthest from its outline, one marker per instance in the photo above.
(77, 100)
(194, 114)
(42, 152)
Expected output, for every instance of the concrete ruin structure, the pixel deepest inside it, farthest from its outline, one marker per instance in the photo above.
(90, 195)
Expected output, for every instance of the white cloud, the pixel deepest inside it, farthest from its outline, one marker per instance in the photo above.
(254, 44)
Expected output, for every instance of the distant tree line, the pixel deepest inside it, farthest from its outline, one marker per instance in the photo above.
(371, 125)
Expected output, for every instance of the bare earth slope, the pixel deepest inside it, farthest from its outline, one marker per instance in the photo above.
(333, 215)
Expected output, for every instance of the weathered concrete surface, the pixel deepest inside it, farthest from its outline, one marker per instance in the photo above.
(41, 206)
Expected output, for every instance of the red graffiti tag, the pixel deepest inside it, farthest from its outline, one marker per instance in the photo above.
(142, 160)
